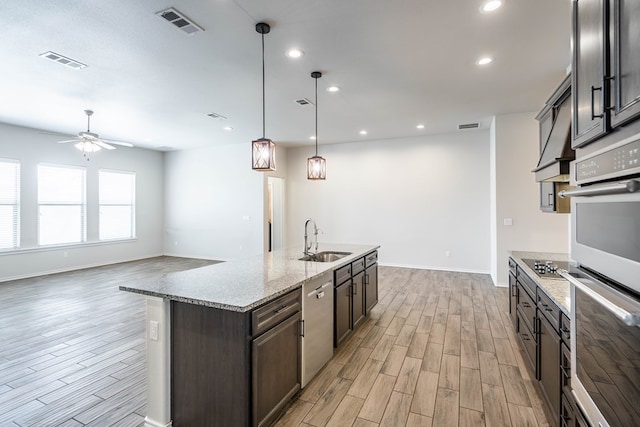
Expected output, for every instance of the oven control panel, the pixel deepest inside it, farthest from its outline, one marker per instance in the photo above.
(624, 160)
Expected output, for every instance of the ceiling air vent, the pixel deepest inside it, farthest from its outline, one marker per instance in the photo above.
(468, 126)
(56, 57)
(217, 116)
(179, 20)
(304, 102)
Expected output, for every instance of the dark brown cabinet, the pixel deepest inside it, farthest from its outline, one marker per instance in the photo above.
(231, 368)
(606, 67)
(513, 292)
(276, 368)
(356, 292)
(550, 201)
(549, 364)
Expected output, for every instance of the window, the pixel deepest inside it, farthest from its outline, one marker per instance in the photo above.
(9, 204)
(117, 195)
(61, 205)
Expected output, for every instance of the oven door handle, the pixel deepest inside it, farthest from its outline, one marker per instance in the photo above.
(630, 319)
(631, 186)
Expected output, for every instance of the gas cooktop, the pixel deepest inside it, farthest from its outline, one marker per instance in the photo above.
(547, 269)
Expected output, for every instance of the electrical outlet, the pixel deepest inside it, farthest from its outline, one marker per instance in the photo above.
(447, 253)
(153, 330)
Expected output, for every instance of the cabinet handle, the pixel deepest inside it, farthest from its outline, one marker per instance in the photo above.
(526, 305)
(565, 331)
(593, 115)
(354, 289)
(302, 328)
(281, 309)
(566, 372)
(525, 337)
(366, 279)
(549, 199)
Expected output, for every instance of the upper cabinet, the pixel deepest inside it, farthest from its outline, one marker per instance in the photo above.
(606, 67)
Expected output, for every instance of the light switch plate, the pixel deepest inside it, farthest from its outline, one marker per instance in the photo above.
(508, 221)
(153, 330)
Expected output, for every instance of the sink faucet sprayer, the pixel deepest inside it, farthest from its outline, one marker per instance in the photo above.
(307, 245)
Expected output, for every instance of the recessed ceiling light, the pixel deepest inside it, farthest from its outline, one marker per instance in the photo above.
(420, 127)
(312, 137)
(484, 61)
(295, 53)
(491, 5)
(363, 132)
(333, 89)
(228, 128)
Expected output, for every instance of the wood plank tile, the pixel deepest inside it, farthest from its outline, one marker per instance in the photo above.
(397, 410)
(322, 411)
(522, 416)
(372, 338)
(377, 400)
(346, 412)
(504, 352)
(495, 406)
(408, 376)
(295, 414)
(450, 372)
(446, 411)
(365, 379)
(484, 340)
(405, 335)
(424, 397)
(452, 336)
(469, 355)
(471, 418)
(432, 358)
(355, 363)
(489, 369)
(319, 385)
(470, 389)
(394, 361)
(418, 345)
(382, 349)
(437, 334)
(514, 385)
(415, 420)
(361, 422)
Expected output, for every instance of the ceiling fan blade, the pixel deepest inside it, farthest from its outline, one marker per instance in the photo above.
(43, 132)
(123, 144)
(103, 144)
(68, 140)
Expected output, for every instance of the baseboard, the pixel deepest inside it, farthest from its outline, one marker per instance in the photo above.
(148, 422)
(426, 267)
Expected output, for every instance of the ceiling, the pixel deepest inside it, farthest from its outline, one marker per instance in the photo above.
(399, 64)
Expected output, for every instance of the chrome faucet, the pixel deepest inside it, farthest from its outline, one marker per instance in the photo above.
(308, 246)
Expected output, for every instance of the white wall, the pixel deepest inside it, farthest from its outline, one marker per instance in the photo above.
(417, 197)
(214, 205)
(515, 140)
(31, 147)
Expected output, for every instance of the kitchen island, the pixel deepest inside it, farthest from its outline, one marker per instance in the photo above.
(202, 326)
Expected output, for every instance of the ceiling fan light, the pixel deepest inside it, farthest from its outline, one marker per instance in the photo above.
(87, 147)
(316, 168)
(263, 156)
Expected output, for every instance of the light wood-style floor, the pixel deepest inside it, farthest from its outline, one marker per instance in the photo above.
(438, 349)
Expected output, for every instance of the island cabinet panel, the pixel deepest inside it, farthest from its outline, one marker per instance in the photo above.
(342, 311)
(549, 366)
(210, 357)
(371, 287)
(276, 369)
(357, 289)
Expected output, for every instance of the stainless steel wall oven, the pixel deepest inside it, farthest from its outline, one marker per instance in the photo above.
(605, 284)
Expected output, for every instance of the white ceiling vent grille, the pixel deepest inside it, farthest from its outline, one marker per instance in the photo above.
(217, 116)
(56, 57)
(469, 126)
(179, 20)
(304, 102)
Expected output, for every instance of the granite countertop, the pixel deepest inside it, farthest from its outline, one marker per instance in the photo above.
(243, 285)
(558, 289)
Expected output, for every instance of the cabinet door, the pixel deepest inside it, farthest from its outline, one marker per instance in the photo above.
(588, 69)
(567, 415)
(625, 61)
(547, 196)
(276, 372)
(371, 287)
(357, 290)
(549, 364)
(513, 298)
(342, 311)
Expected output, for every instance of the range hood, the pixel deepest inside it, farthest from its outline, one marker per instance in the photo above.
(557, 152)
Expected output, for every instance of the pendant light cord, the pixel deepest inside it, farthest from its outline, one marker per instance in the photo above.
(316, 117)
(263, 92)
(88, 123)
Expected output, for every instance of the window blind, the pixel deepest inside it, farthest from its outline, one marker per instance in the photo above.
(61, 204)
(9, 204)
(117, 194)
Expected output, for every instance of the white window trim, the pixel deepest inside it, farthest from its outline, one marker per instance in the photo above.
(17, 204)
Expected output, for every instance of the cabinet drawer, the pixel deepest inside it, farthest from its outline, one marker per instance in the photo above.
(549, 308)
(371, 259)
(275, 312)
(342, 274)
(528, 341)
(565, 369)
(526, 282)
(527, 307)
(565, 329)
(357, 266)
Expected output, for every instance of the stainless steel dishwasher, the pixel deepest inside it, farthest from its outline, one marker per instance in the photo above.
(317, 325)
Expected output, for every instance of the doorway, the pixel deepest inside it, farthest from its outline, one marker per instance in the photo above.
(276, 213)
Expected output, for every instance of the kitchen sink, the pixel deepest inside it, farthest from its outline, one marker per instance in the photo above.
(326, 256)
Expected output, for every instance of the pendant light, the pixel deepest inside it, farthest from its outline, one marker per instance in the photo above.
(316, 165)
(263, 157)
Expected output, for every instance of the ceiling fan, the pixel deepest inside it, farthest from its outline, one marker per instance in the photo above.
(89, 142)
